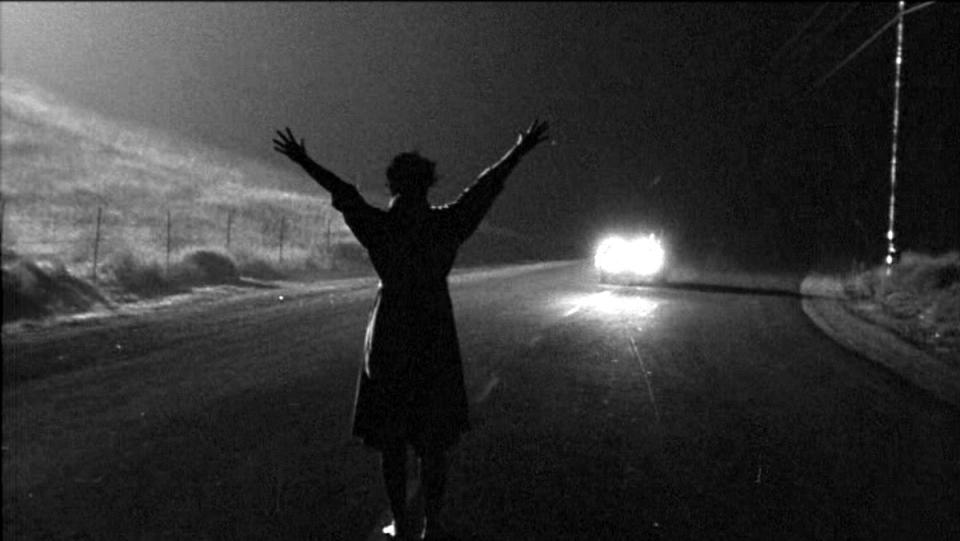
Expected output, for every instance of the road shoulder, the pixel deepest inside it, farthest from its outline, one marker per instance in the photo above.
(825, 306)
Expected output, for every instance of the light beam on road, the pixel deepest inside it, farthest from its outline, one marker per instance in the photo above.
(608, 302)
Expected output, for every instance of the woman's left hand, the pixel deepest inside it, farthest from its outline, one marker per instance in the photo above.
(287, 145)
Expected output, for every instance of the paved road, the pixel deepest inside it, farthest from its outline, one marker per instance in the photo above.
(599, 412)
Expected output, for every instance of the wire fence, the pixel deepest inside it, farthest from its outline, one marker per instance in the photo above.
(85, 238)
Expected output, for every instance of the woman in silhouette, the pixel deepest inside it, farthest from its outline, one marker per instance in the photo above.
(411, 389)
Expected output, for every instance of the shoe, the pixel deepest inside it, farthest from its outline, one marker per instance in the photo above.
(390, 532)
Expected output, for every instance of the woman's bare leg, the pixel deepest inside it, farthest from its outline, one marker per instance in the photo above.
(394, 464)
(434, 464)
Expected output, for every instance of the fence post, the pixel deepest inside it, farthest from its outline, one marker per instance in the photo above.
(229, 226)
(283, 226)
(167, 268)
(329, 222)
(96, 244)
(3, 218)
(329, 247)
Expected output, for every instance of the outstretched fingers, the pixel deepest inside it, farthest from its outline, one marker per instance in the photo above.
(534, 134)
(282, 141)
(540, 130)
(287, 144)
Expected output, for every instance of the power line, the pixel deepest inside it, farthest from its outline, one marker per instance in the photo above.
(803, 28)
(784, 52)
(795, 70)
(872, 38)
(818, 39)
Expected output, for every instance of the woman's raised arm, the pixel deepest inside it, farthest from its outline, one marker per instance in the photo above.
(526, 141)
(287, 145)
(474, 202)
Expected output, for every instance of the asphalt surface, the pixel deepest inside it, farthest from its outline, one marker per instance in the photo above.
(599, 413)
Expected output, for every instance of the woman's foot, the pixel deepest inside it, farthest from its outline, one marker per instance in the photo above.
(400, 533)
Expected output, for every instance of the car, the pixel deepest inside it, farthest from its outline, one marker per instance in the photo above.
(637, 260)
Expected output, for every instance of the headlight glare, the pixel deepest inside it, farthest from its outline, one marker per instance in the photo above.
(642, 256)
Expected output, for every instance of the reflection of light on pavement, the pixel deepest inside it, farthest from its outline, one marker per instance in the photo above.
(608, 302)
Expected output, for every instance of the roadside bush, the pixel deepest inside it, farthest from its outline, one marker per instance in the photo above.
(946, 307)
(257, 267)
(920, 273)
(34, 289)
(21, 297)
(919, 286)
(204, 267)
(135, 274)
(350, 255)
(915, 275)
(861, 286)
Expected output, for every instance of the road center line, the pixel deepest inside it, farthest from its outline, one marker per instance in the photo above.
(646, 378)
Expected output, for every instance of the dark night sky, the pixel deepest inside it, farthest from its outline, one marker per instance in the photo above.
(680, 116)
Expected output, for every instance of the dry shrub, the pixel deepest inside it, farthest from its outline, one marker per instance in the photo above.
(903, 304)
(920, 285)
(350, 255)
(205, 267)
(298, 264)
(946, 308)
(861, 286)
(136, 274)
(21, 297)
(34, 289)
(257, 267)
(921, 273)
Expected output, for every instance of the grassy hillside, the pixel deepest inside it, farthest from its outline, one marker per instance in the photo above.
(61, 164)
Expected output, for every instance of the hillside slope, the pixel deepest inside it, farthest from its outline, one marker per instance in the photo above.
(60, 163)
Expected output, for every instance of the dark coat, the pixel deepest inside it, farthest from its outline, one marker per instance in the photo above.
(411, 384)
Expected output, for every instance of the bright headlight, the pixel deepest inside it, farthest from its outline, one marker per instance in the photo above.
(643, 256)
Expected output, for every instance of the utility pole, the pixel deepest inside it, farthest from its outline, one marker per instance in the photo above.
(167, 267)
(893, 255)
(96, 244)
(283, 227)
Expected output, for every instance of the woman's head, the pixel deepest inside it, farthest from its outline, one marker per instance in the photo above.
(410, 174)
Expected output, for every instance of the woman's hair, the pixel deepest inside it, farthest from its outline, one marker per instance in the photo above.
(409, 172)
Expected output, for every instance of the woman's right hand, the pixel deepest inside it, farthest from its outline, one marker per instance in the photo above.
(533, 136)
